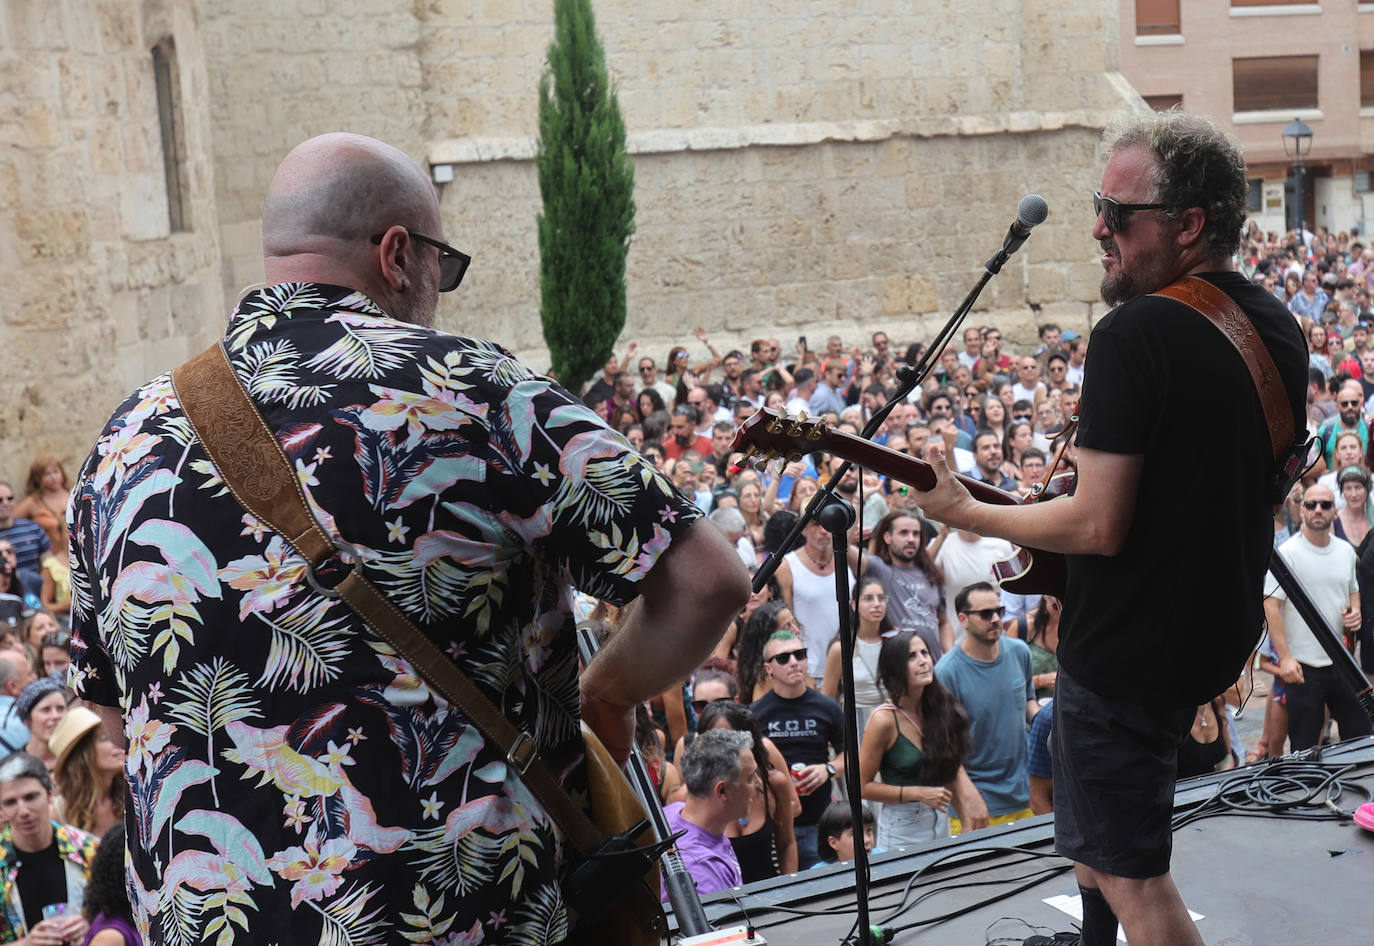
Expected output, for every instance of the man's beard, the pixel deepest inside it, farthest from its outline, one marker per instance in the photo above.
(1123, 284)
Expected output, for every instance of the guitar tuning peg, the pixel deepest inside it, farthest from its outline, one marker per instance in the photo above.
(793, 457)
(777, 424)
(815, 431)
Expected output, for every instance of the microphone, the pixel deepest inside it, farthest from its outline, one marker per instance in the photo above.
(1031, 211)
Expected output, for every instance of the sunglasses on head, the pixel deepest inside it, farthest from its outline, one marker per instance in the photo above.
(787, 656)
(987, 614)
(1115, 214)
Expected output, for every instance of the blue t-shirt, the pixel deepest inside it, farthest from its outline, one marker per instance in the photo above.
(1038, 743)
(995, 696)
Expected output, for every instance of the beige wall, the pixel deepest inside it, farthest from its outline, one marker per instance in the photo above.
(846, 170)
(95, 293)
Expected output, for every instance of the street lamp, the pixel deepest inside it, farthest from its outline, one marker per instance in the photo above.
(1297, 144)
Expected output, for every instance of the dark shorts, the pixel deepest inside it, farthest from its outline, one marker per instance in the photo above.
(1115, 764)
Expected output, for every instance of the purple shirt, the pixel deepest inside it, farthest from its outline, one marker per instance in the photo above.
(708, 857)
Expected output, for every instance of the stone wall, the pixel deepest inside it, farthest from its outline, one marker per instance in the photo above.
(802, 168)
(96, 292)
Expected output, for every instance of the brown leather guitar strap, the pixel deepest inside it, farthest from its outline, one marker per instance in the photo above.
(259, 475)
(1221, 310)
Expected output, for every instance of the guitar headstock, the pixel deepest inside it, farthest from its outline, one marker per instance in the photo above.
(772, 434)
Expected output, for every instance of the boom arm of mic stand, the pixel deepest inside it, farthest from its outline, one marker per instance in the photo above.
(682, 891)
(1341, 658)
(909, 379)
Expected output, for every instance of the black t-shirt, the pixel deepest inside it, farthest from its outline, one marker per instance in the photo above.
(804, 729)
(41, 881)
(1171, 618)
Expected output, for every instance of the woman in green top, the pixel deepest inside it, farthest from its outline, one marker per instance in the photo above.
(1043, 639)
(917, 743)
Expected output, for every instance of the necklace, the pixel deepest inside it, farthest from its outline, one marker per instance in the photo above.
(1202, 719)
(823, 566)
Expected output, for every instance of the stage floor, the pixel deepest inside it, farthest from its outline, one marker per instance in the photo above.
(1257, 881)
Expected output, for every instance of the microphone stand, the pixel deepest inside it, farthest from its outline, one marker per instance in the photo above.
(838, 516)
(909, 379)
(1344, 662)
(682, 891)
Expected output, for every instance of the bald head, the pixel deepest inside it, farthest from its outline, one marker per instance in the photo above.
(345, 187)
(330, 196)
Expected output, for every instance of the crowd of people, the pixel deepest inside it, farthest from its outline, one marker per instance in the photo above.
(952, 674)
(62, 785)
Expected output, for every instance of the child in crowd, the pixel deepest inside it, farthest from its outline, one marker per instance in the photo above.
(835, 833)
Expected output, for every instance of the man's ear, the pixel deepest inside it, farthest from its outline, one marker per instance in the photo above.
(392, 259)
(1191, 223)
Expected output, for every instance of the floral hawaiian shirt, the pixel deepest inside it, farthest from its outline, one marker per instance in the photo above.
(290, 779)
(75, 849)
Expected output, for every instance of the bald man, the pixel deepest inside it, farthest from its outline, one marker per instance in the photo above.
(280, 753)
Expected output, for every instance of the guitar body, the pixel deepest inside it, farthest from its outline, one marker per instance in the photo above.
(772, 434)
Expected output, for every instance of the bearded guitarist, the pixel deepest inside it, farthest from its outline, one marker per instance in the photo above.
(1153, 623)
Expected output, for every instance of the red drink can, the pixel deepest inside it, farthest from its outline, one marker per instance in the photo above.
(797, 768)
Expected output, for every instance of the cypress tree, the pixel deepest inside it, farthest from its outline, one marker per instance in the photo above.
(586, 181)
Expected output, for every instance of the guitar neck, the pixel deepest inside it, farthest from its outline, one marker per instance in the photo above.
(905, 468)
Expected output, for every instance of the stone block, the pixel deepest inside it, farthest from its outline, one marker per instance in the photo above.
(117, 26)
(1046, 283)
(31, 127)
(51, 235)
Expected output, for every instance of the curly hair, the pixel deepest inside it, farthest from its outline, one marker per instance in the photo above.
(79, 784)
(945, 722)
(1197, 165)
(105, 890)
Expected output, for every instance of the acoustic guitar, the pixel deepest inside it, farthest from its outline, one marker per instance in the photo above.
(772, 434)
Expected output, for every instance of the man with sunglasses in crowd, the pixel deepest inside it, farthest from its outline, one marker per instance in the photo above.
(991, 676)
(1171, 204)
(1326, 568)
(1349, 418)
(466, 488)
(807, 726)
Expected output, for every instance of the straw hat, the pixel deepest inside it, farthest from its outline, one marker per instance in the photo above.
(76, 724)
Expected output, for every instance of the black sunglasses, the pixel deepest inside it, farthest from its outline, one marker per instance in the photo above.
(699, 706)
(1114, 214)
(1314, 503)
(987, 614)
(453, 264)
(784, 658)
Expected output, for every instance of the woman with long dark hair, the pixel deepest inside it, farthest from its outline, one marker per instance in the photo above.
(764, 843)
(107, 906)
(917, 743)
(767, 618)
(1042, 636)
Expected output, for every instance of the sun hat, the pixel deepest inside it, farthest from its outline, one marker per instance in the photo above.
(70, 731)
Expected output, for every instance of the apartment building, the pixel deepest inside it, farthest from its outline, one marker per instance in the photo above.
(1255, 66)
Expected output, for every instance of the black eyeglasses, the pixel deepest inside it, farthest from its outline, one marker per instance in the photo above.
(453, 264)
(1310, 504)
(987, 614)
(1114, 214)
(786, 657)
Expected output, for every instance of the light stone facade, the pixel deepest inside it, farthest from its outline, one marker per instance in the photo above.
(801, 168)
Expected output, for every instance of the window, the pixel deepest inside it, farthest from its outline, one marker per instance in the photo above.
(1254, 199)
(1161, 103)
(1366, 78)
(1156, 17)
(1267, 83)
(173, 134)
